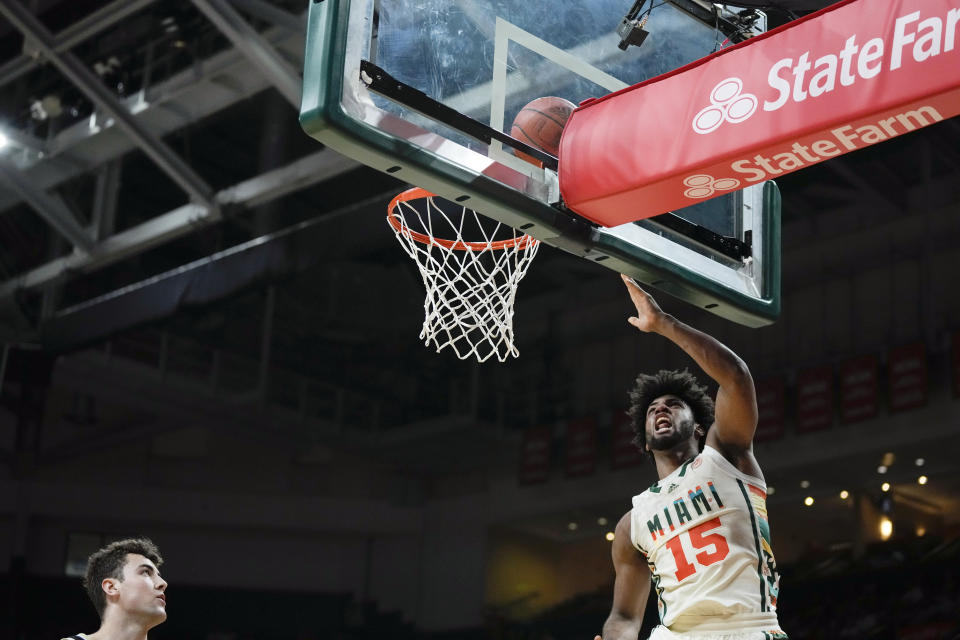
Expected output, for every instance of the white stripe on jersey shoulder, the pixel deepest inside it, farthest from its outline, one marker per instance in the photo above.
(727, 466)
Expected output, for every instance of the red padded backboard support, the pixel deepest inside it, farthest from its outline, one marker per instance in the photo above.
(844, 78)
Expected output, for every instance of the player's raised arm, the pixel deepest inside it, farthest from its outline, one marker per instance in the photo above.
(631, 588)
(735, 414)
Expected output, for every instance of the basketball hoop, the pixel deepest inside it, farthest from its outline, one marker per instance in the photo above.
(471, 284)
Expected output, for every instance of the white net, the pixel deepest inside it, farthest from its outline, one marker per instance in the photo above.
(471, 284)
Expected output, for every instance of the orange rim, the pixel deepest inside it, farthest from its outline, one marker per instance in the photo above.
(417, 193)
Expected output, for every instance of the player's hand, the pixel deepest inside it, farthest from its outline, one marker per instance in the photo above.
(649, 314)
(597, 638)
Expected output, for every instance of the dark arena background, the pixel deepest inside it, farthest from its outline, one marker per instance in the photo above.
(209, 337)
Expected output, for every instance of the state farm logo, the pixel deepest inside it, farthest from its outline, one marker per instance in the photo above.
(702, 185)
(727, 103)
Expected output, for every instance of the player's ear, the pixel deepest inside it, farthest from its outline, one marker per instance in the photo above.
(699, 430)
(109, 586)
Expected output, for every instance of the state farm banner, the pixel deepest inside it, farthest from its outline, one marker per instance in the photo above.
(858, 389)
(623, 453)
(770, 410)
(855, 74)
(581, 446)
(814, 399)
(535, 455)
(907, 377)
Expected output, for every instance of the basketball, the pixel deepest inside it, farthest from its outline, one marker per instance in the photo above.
(540, 124)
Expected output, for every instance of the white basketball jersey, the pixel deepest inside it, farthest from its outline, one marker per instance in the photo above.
(704, 532)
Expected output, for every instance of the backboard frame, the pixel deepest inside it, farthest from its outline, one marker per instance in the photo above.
(337, 111)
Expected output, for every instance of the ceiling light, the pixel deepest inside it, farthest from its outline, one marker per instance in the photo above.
(921, 531)
(844, 494)
(804, 484)
(808, 501)
(602, 521)
(922, 480)
(37, 112)
(4, 140)
(610, 536)
(888, 458)
(885, 487)
(52, 105)
(919, 462)
(886, 528)
(771, 490)
(573, 526)
(882, 469)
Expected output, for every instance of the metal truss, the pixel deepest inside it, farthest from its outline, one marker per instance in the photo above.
(183, 99)
(49, 206)
(300, 174)
(139, 122)
(284, 77)
(88, 83)
(75, 34)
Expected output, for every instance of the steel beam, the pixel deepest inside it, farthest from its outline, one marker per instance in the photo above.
(246, 39)
(272, 14)
(24, 141)
(103, 220)
(187, 97)
(155, 231)
(297, 175)
(329, 237)
(50, 207)
(76, 33)
(87, 82)
(300, 174)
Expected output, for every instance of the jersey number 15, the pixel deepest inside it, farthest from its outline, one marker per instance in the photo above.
(712, 546)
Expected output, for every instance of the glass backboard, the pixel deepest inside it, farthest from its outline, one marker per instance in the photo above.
(426, 90)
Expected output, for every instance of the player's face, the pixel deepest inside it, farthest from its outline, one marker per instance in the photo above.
(669, 423)
(141, 595)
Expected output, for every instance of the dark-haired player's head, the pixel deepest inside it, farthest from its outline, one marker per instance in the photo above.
(124, 577)
(669, 408)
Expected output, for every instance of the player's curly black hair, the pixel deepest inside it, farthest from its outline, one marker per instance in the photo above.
(679, 383)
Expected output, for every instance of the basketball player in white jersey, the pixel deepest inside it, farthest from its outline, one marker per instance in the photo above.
(123, 582)
(700, 534)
